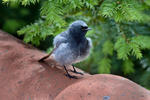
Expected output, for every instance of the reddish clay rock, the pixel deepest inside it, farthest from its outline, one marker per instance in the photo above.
(104, 87)
(22, 77)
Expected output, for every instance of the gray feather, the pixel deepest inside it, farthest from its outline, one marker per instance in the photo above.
(72, 46)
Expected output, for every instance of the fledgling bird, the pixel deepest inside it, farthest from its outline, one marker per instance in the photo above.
(71, 46)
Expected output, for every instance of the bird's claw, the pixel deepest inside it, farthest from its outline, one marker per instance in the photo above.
(70, 76)
(74, 71)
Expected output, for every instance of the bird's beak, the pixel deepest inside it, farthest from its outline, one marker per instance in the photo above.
(88, 29)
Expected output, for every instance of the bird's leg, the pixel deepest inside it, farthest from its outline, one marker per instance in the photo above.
(75, 71)
(68, 75)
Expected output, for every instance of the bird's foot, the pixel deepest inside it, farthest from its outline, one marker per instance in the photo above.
(74, 71)
(70, 76)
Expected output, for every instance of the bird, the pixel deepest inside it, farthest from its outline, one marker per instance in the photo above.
(71, 46)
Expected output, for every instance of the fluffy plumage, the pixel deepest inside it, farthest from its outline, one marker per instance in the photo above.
(72, 45)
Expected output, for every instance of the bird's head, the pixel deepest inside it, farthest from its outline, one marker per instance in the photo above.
(78, 29)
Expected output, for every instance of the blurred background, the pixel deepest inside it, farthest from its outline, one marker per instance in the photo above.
(120, 31)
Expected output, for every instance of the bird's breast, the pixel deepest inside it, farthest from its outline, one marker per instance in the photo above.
(84, 48)
(81, 48)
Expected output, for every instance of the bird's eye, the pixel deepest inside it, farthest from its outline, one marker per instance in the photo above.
(84, 27)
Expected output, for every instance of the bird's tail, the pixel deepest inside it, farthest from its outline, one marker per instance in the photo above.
(45, 57)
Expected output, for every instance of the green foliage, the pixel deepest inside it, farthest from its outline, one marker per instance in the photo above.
(122, 48)
(142, 41)
(104, 65)
(121, 33)
(128, 67)
(108, 48)
(147, 2)
(35, 32)
(23, 2)
(145, 80)
(135, 50)
(132, 47)
(123, 10)
(52, 12)
(12, 25)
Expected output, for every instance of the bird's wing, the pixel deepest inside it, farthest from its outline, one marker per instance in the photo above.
(59, 39)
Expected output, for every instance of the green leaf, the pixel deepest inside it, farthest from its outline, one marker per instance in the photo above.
(23, 2)
(142, 41)
(53, 13)
(135, 50)
(122, 48)
(108, 8)
(104, 65)
(108, 48)
(125, 10)
(128, 67)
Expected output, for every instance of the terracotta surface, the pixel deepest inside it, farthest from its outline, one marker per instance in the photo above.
(23, 78)
(104, 87)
